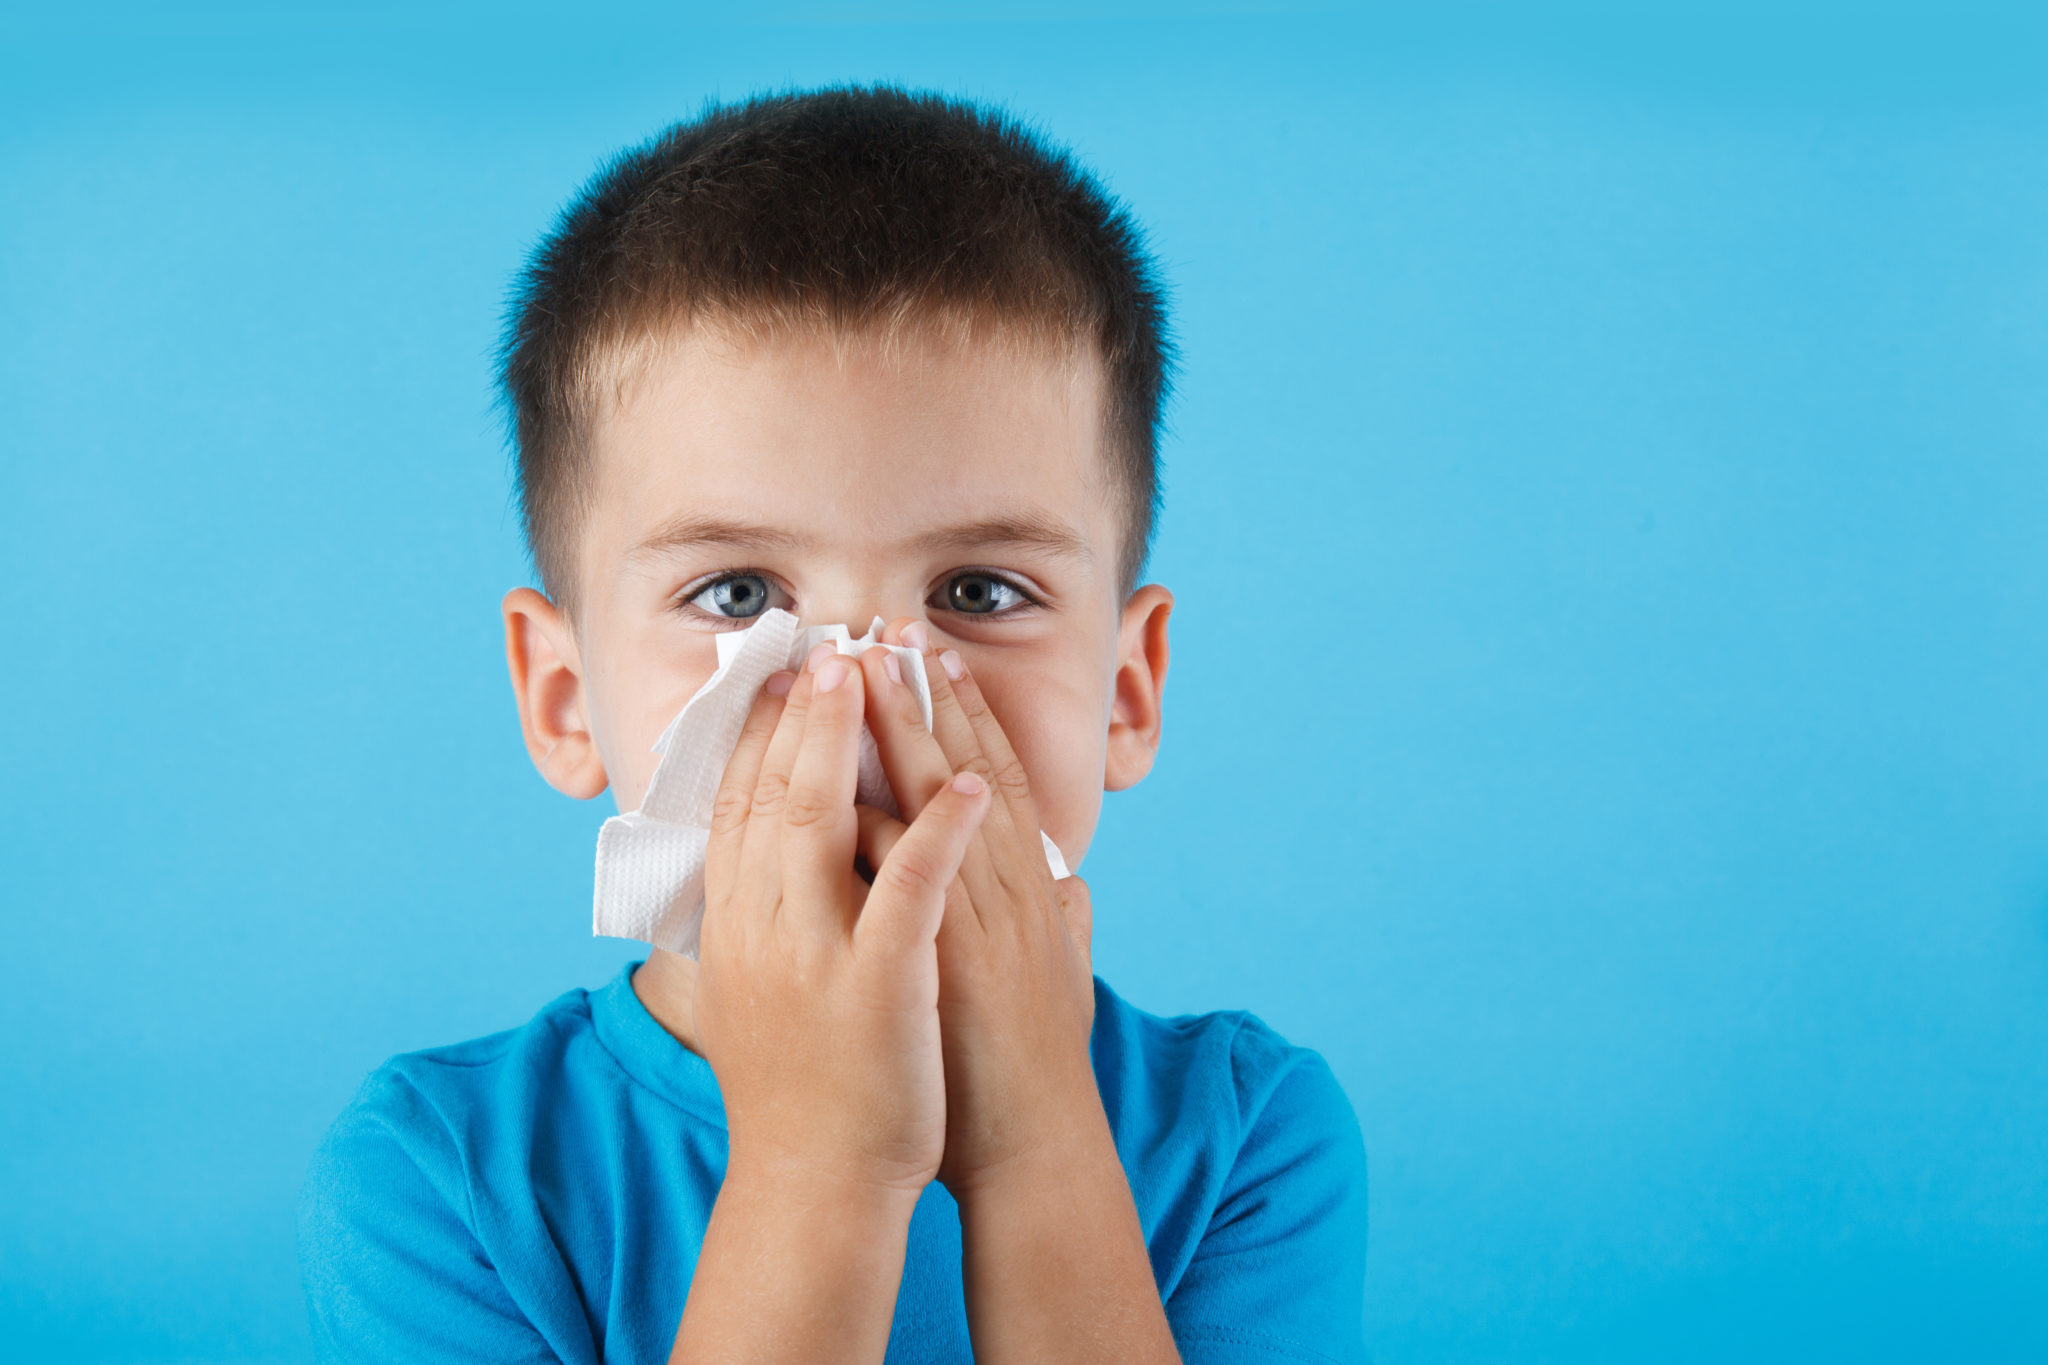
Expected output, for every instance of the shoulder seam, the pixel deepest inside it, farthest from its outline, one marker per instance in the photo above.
(1293, 1057)
(503, 1039)
(454, 1146)
(1244, 1120)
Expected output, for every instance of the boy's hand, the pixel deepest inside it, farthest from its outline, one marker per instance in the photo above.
(1016, 990)
(817, 995)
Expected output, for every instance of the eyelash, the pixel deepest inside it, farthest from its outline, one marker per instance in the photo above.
(682, 603)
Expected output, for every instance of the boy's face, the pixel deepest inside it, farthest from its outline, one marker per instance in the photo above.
(965, 487)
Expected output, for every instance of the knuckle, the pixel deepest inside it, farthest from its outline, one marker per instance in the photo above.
(910, 871)
(769, 796)
(730, 809)
(807, 807)
(1009, 779)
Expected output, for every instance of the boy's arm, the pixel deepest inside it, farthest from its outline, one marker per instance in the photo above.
(817, 1007)
(1053, 1258)
(1053, 1261)
(795, 1269)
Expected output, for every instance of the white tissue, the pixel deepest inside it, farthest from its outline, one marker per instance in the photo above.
(650, 862)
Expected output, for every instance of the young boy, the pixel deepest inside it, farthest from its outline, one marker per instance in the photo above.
(849, 353)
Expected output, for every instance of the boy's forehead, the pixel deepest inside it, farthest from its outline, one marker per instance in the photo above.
(801, 440)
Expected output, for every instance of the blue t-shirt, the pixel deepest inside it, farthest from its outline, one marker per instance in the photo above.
(541, 1194)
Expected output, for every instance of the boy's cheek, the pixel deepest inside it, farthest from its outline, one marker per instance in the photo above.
(626, 727)
(629, 784)
(1069, 802)
(1059, 738)
(643, 669)
(626, 776)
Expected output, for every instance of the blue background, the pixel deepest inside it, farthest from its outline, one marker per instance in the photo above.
(1633, 433)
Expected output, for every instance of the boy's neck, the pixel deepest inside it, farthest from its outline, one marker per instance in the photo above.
(666, 984)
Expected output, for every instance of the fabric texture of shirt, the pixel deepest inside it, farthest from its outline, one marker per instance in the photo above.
(541, 1194)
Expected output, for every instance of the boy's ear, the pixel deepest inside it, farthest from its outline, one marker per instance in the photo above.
(547, 682)
(1134, 715)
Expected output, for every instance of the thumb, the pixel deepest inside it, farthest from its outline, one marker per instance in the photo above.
(907, 901)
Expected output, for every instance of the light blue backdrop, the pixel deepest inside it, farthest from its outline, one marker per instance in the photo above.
(1606, 504)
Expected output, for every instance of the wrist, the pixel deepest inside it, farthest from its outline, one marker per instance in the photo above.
(1073, 1160)
(821, 1185)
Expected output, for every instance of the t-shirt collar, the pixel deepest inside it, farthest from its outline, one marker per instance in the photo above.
(649, 1053)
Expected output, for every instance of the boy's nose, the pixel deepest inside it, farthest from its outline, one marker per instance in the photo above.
(858, 613)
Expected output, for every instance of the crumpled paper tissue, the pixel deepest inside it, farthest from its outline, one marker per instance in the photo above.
(650, 862)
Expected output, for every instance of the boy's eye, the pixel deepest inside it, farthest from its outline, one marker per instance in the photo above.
(980, 594)
(735, 597)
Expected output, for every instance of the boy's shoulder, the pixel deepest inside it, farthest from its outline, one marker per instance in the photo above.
(1218, 1064)
(552, 1029)
(437, 1100)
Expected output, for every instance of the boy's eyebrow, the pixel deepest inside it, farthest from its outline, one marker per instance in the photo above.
(688, 531)
(1026, 529)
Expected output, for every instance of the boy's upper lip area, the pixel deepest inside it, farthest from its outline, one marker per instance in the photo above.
(1024, 528)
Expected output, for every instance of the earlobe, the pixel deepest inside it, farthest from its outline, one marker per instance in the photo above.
(1135, 704)
(547, 684)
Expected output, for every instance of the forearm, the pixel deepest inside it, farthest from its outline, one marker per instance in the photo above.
(1054, 1265)
(795, 1271)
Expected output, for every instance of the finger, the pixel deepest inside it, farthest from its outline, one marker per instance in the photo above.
(1004, 857)
(911, 757)
(1077, 907)
(950, 726)
(917, 768)
(1012, 784)
(908, 899)
(735, 799)
(1013, 815)
(818, 823)
(892, 633)
(760, 860)
(878, 833)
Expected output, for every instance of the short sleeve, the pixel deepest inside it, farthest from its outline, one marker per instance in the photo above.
(390, 1265)
(1279, 1275)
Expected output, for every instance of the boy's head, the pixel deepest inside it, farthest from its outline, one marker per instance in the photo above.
(854, 352)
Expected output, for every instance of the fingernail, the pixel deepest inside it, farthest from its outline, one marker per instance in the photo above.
(892, 668)
(780, 683)
(967, 784)
(950, 661)
(917, 637)
(832, 673)
(819, 653)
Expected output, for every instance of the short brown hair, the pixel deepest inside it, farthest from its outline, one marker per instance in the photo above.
(847, 207)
